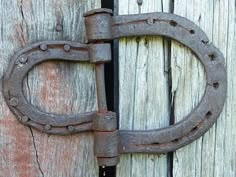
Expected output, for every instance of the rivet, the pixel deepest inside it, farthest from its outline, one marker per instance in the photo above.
(71, 128)
(59, 27)
(140, 2)
(150, 21)
(43, 47)
(67, 48)
(24, 119)
(13, 101)
(23, 59)
(47, 127)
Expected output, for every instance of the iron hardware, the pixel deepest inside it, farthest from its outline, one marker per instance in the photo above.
(110, 142)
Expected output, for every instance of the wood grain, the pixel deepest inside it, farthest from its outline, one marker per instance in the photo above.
(213, 155)
(143, 90)
(59, 87)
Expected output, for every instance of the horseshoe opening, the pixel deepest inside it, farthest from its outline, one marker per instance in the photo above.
(59, 90)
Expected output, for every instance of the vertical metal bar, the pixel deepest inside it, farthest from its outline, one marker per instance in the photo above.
(101, 90)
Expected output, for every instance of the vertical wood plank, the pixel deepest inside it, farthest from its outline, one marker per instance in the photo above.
(213, 155)
(143, 90)
(59, 87)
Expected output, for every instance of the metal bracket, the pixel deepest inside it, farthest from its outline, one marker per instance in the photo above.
(110, 142)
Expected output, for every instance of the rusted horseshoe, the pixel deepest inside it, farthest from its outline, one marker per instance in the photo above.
(101, 26)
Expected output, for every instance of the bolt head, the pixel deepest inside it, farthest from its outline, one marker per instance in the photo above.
(67, 48)
(71, 128)
(24, 119)
(59, 28)
(13, 101)
(140, 2)
(23, 59)
(150, 21)
(43, 47)
(47, 127)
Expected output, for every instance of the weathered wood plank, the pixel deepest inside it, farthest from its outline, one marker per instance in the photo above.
(143, 90)
(214, 154)
(63, 88)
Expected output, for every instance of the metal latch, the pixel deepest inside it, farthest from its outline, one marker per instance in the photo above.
(110, 142)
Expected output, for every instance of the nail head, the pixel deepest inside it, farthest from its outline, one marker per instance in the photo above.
(59, 27)
(23, 59)
(47, 127)
(150, 21)
(67, 48)
(24, 119)
(43, 47)
(13, 102)
(140, 2)
(71, 128)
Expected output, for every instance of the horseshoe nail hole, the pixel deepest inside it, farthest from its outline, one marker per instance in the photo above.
(173, 23)
(216, 85)
(155, 143)
(192, 32)
(204, 42)
(208, 114)
(194, 129)
(175, 140)
(212, 56)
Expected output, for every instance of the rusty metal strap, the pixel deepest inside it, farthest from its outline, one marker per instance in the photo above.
(101, 26)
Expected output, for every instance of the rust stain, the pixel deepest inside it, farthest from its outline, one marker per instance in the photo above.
(66, 155)
(53, 93)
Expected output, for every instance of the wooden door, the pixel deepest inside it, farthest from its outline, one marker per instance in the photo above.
(159, 82)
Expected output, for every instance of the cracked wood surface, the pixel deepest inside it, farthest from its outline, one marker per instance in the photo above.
(214, 154)
(59, 87)
(143, 90)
